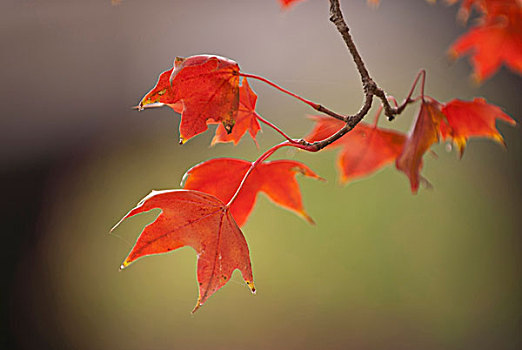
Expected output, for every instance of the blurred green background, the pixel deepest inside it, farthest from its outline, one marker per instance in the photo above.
(382, 269)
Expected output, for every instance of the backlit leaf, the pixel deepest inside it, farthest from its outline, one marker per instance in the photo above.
(246, 118)
(424, 133)
(221, 177)
(287, 3)
(207, 88)
(365, 149)
(495, 41)
(472, 118)
(200, 221)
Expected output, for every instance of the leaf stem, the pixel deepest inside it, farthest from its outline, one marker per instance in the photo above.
(377, 116)
(274, 85)
(263, 120)
(262, 158)
(421, 75)
(316, 106)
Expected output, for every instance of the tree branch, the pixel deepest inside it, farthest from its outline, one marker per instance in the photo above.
(336, 17)
(370, 89)
(316, 106)
(369, 86)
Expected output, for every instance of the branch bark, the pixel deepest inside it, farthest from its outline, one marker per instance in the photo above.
(370, 88)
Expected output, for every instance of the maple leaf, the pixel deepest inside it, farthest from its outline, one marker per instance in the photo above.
(365, 149)
(198, 220)
(221, 177)
(492, 8)
(246, 118)
(287, 3)
(457, 120)
(472, 118)
(206, 87)
(161, 92)
(425, 132)
(497, 41)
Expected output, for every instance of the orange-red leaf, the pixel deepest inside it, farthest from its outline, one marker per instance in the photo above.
(207, 87)
(472, 118)
(200, 221)
(457, 120)
(497, 41)
(246, 118)
(425, 132)
(287, 3)
(221, 177)
(324, 127)
(161, 92)
(365, 149)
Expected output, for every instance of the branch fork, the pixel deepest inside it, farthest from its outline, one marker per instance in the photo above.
(370, 88)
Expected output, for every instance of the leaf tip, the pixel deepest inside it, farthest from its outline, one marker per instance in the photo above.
(124, 264)
(476, 79)
(452, 54)
(460, 142)
(252, 287)
(414, 186)
(196, 308)
(497, 137)
(228, 127)
(343, 178)
(117, 224)
(307, 217)
(425, 183)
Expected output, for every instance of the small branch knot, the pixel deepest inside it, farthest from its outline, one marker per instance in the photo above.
(370, 87)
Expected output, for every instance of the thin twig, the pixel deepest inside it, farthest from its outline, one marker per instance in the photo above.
(316, 106)
(261, 159)
(336, 17)
(407, 100)
(281, 132)
(370, 87)
(266, 81)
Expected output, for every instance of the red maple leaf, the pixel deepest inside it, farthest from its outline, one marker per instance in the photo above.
(496, 41)
(246, 119)
(287, 3)
(457, 120)
(425, 132)
(489, 9)
(207, 87)
(365, 149)
(200, 221)
(161, 94)
(472, 118)
(221, 177)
